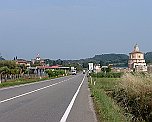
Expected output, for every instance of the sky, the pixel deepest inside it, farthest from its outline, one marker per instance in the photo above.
(73, 29)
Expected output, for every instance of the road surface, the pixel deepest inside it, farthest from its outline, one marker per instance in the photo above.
(63, 99)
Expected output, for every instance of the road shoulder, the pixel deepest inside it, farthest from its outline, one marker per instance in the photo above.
(82, 110)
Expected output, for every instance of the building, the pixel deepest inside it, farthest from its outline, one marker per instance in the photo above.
(97, 68)
(38, 60)
(23, 62)
(136, 60)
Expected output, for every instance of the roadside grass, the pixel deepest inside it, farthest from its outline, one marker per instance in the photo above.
(22, 81)
(107, 109)
(135, 95)
(51, 74)
(28, 80)
(128, 98)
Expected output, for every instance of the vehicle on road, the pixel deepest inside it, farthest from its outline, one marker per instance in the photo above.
(73, 72)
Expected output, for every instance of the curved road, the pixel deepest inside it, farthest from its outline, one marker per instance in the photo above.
(63, 99)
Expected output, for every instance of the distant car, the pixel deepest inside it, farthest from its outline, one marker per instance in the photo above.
(73, 72)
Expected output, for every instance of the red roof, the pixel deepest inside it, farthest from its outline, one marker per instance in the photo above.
(48, 67)
(54, 67)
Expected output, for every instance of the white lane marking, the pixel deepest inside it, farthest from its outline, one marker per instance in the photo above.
(17, 86)
(21, 95)
(11, 87)
(66, 114)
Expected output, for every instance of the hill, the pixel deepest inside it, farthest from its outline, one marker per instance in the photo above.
(118, 60)
(115, 59)
(111, 57)
(148, 57)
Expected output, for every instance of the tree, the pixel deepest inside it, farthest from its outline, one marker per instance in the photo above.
(10, 67)
(14, 71)
(9, 64)
(108, 69)
(54, 73)
(54, 63)
(59, 62)
(102, 63)
(36, 63)
(4, 70)
(85, 65)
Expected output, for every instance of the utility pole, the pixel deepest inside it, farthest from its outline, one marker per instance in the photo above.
(1, 76)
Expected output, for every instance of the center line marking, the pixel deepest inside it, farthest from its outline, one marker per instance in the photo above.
(21, 95)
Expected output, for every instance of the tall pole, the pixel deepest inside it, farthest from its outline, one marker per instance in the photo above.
(1, 76)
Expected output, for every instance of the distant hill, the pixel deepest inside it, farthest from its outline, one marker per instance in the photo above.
(148, 57)
(116, 59)
(119, 60)
(111, 57)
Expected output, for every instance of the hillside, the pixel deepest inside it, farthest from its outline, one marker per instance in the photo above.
(116, 59)
(120, 60)
(111, 57)
(148, 57)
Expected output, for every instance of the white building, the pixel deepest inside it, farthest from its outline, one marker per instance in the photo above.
(97, 68)
(38, 59)
(136, 60)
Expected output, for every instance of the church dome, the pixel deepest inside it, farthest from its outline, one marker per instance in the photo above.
(136, 48)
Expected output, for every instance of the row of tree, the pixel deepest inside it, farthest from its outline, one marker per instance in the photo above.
(66, 63)
(55, 73)
(10, 67)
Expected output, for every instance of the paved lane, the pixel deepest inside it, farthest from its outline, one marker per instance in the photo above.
(83, 110)
(9, 92)
(46, 102)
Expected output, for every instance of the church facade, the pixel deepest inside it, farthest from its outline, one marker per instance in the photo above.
(38, 59)
(136, 60)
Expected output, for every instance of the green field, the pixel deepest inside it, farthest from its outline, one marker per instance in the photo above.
(126, 99)
(106, 109)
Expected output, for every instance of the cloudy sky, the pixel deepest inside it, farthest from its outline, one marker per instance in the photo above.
(73, 29)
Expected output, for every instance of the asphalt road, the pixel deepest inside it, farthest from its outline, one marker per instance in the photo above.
(63, 99)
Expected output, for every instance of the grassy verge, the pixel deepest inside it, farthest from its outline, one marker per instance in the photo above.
(127, 97)
(22, 81)
(107, 110)
(134, 94)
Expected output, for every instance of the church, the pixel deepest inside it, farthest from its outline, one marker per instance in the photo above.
(136, 60)
(38, 59)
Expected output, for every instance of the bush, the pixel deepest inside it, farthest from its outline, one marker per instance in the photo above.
(107, 110)
(55, 73)
(107, 75)
(135, 95)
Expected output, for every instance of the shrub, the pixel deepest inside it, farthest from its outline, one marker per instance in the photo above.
(107, 75)
(135, 95)
(55, 73)
(106, 108)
